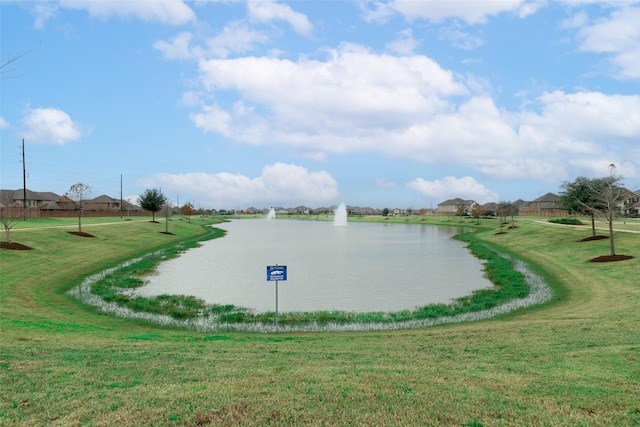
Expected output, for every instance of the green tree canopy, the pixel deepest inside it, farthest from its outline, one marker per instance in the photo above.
(152, 200)
(578, 197)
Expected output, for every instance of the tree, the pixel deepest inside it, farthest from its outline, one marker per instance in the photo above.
(152, 200)
(188, 210)
(578, 197)
(461, 211)
(512, 211)
(608, 196)
(423, 212)
(78, 194)
(166, 210)
(477, 213)
(503, 210)
(385, 212)
(9, 220)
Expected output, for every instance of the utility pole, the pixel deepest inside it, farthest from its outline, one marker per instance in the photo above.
(24, 185)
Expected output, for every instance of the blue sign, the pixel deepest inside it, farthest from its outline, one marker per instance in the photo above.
(276, 273)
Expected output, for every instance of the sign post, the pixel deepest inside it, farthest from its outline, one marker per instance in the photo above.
(276, 273)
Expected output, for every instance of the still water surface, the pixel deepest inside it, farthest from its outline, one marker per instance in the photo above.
(362, 267)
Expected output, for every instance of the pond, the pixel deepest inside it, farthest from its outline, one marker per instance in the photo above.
(364, 267)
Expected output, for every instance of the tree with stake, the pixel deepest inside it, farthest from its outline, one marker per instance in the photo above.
(152, 200)
(78, 194)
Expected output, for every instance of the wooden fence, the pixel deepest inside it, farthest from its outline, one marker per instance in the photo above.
(39, 213)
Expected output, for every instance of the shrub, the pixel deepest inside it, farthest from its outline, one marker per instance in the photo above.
(566, 221)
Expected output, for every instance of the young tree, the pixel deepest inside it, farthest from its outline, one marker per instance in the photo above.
(152, 200)
(578, 197)
(477, 213)
(608, 196)
(166, 210)
(78, 194)
(503, 210)
(512, 211)
(461, 211)
(9, 220)
(188, 210)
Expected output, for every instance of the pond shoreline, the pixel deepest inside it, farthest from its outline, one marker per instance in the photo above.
(539, 292)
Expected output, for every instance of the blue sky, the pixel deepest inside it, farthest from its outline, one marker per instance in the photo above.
(231, 104)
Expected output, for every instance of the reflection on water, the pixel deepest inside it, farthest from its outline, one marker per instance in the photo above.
(363, 267)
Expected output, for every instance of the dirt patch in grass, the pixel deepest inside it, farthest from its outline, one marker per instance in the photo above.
(592, 238)
(611, 258)
(81, 234)
(14, 246)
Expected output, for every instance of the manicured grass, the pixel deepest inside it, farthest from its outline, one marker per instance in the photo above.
(573, 361)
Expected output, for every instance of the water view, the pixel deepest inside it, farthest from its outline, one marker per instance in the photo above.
(362, 267)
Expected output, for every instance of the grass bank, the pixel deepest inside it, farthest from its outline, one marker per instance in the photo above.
(571, 362)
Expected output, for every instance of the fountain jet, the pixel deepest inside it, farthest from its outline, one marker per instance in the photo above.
(271, 215)
(340, 216)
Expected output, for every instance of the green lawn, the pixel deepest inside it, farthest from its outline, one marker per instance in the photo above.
(573, 361)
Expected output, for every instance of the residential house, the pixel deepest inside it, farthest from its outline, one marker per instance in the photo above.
(489, 209)
(548, 205)
(631, 203)
(34, 199)
(103, 203)
(452, 206)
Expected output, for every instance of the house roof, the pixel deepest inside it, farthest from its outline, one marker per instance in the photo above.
(457, 201)
(103, 199)
(549, 197)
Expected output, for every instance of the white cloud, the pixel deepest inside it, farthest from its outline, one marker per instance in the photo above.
(354, 92)
(236, 37)
(267, 10)
(51, 125)
(590, 116)
(405, 44)
(43, 12)
(178, 48)
(409, 107)
(451, 187)
(170, 12)
(459, 38)
(278, 184)
(4, 124)
(617, 35)
(470, 11)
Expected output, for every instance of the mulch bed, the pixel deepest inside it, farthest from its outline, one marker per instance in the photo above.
(81, 234)
(611, 258)
(167, 232)
(592, 238)
(14, 246)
